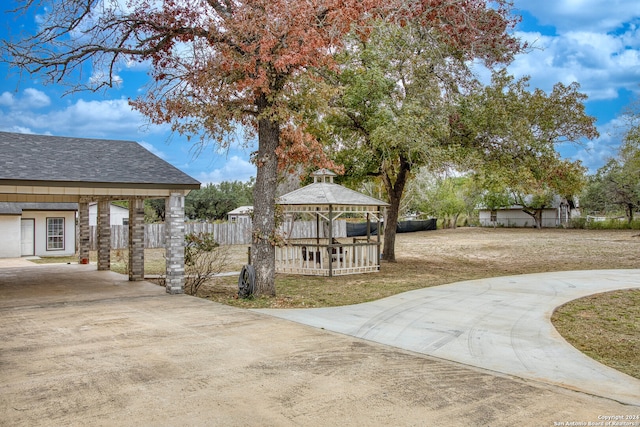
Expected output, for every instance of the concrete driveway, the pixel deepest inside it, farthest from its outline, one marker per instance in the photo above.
(502, 324)
(86, 347)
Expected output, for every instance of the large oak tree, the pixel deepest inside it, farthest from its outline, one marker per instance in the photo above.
(215, 65)
(510, 135)
(398, 85)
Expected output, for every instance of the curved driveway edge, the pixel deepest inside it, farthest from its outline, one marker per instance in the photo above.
(501, 324)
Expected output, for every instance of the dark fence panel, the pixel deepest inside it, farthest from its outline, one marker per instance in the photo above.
(355, 229)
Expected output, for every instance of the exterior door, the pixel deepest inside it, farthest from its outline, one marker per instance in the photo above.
(27, 237)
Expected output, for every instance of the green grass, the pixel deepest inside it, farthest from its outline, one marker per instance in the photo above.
(605, 327)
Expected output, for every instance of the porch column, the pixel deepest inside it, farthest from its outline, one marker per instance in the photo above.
(104, 235)
(84, 233)
(136, 239)
(174, 247)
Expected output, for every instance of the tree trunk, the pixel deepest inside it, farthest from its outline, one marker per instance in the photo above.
(538, 218)
(390, 225)
(264, 194)
(536, 214)
(394, 190)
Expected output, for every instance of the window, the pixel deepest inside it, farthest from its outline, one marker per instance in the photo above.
(494, 216)
(55, 234)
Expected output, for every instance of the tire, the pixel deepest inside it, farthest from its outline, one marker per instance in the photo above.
(246, 281)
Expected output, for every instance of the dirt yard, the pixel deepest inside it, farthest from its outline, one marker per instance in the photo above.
(433, 258)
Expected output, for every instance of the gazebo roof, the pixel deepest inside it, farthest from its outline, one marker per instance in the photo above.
(321, 196)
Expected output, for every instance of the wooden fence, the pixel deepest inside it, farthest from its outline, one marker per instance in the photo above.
(226, 233)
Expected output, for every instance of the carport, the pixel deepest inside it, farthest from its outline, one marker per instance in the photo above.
(49, 169)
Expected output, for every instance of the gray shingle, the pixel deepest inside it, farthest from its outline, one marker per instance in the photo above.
(65, 159)
(10, 208)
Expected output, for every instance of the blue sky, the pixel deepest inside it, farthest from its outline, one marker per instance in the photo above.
(593, 42)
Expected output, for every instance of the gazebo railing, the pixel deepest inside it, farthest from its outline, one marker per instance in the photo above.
(328, 259)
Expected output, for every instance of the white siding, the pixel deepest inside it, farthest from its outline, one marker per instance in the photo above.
(517, 218)
(41, 231)
(116, 214)
(10, 232)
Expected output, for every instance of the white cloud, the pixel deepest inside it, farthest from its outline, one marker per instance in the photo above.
(594, 15)
(6, 99)
(99, 77)
(93, 118)
(18, 129)
(29, 99)
(236, 169)
(603, 64)
(33, 98)
(153, 149)
(594, 154)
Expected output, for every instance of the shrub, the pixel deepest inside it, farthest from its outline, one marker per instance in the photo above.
(203, 258)
(609, 224)
(580, 223)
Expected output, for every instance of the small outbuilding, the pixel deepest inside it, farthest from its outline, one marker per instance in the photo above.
(117, 214)
(325, 255)
(241, 214)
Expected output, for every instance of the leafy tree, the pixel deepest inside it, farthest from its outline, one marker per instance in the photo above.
(396, 88)
(617, 183)
(214, 65)
(619, 180)
(443, 196)
(214, 201)
(154, 210)
(510, 136)
(594, 197)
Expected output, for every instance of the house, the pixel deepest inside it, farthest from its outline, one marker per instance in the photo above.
(240, 214)
(117, 214)
(41, 229)
(54, 169)
(558, 214)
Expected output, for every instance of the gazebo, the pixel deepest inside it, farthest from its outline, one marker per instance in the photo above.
(324, 254)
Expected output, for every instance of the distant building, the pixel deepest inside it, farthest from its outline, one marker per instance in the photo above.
(240, 214)
(117, 214)
(558, 214)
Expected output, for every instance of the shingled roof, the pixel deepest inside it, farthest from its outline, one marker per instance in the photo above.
(27, 158)
(9, 208)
